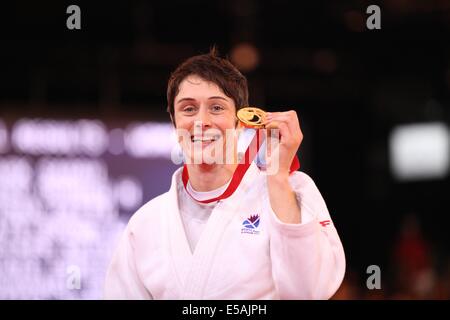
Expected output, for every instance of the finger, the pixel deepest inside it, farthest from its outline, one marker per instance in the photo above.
(285, 133)
(273, 128)
(271, 125)
(290, 117)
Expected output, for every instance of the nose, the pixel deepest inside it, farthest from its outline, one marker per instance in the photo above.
(203, 119)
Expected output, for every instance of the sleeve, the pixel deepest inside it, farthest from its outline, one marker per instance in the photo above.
(122, 279)
(308, 260)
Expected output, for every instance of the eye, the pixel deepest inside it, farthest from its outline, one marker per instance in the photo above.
(189, 109)
(217, 108)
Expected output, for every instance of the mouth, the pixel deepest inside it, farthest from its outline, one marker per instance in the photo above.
(205, 139)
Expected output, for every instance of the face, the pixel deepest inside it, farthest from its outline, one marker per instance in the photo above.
(205, 120)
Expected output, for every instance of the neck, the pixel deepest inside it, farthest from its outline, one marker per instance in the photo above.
(205, 177)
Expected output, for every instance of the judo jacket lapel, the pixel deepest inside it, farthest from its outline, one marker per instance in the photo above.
(178, 245)
(193, 269)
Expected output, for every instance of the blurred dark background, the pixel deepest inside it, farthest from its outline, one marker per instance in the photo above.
(351, 87)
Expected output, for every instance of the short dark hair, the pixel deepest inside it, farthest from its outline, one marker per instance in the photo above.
(210, 67)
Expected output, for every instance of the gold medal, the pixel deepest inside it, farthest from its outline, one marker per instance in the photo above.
(252, 117)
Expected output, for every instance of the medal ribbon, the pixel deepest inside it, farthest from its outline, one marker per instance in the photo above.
(241, 169)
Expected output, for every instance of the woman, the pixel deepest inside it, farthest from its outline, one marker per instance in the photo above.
(223, 230)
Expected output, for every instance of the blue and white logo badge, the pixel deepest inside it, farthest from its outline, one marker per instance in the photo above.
(251, 225)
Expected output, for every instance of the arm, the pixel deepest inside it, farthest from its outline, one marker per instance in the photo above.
(308, 260)
(283, 199)
(280, 155)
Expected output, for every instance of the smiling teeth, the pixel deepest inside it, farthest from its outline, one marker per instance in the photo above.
(205, 139)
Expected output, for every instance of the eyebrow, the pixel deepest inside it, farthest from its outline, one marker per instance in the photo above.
(217, 97)
(210, 98)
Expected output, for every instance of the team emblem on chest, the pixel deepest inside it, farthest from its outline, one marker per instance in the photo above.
(251, 224)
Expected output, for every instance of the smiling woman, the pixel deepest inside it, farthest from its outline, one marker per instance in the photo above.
(202, 109)
(221, 222)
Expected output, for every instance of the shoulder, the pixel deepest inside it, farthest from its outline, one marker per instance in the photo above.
(302, 180)
(307, 190)
(153, 210)
(148, 214)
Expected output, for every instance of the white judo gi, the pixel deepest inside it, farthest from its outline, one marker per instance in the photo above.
(244, 251)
